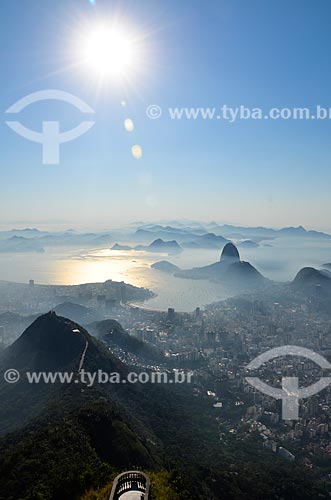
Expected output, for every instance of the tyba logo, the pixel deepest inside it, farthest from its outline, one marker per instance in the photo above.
(290, 393)
(51, 137)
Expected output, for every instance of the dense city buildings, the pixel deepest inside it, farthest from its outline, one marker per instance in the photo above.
(215, 343)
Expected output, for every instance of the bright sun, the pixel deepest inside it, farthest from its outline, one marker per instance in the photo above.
(108, 52)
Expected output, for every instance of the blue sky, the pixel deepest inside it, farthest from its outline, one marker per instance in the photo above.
(196, 53)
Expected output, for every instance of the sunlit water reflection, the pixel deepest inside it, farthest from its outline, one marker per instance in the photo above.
(279, 262)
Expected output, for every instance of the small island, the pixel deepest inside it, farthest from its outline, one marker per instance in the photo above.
(165, 267)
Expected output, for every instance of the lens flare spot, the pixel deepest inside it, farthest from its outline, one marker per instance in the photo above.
(129, 125)
(137, 151)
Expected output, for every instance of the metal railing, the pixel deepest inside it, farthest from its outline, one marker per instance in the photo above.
(131, 481)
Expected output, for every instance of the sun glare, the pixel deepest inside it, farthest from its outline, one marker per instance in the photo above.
(108, 52)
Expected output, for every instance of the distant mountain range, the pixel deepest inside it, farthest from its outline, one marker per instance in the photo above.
(248, 244)
(206, 241)
(21, 244)
(33, 240)
(157, 246)
(188, 237)
(191, 235)
(182, 232)
(120, 247)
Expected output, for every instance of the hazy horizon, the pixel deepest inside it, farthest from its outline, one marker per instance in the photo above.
(100, 226)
